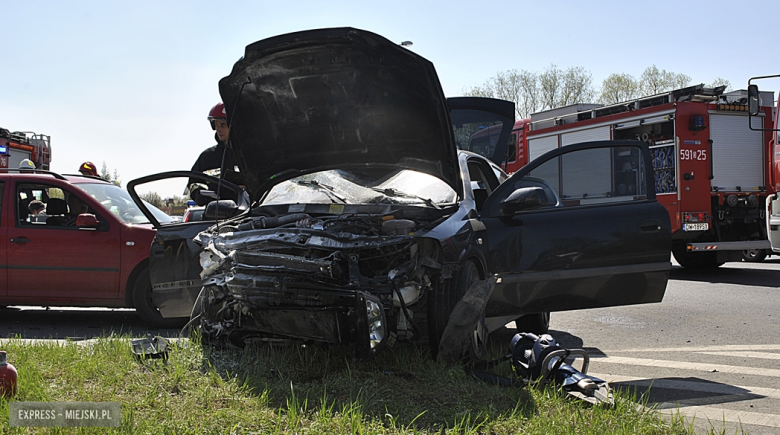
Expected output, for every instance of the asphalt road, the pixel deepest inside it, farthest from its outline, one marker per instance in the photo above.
(710, 350)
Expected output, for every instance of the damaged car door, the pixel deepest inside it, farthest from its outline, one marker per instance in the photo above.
(174, 258)
(577, 228)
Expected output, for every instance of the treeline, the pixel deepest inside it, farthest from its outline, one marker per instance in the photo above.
(555, 87)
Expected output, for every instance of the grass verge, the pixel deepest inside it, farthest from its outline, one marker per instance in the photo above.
(281, 390)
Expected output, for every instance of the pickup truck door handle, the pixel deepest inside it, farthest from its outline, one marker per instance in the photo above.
(20, 240)
(158, 250)
(650, 225)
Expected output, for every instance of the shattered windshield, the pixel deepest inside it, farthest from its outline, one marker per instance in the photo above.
(362, 187)
(117, 201)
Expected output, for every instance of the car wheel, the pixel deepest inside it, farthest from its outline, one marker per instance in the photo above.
(697, 260)
(753, 255)
(142, 300)
(537, 323)
(443, 303)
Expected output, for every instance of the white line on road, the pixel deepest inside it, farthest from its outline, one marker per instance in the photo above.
(728, 347)
(704, 387)
(715, 415)
(762, 355)
(699, 367)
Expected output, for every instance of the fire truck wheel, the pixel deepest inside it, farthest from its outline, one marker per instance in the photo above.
(538, 323)
(697, 260)
(753, 255)
(142, 300)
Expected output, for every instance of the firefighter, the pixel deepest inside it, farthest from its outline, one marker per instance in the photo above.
(210, 160)
(88, 168)
(26, 164)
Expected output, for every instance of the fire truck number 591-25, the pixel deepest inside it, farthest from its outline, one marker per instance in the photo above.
(693, 154)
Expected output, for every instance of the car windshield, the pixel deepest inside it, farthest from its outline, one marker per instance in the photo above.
(362, 187)
(118, 201)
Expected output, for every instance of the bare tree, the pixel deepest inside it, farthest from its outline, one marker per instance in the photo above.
(106, 175)
(522, 87)
(153, 198)
(719, 81)
(654, 81)
(617, 88)
(564, 87)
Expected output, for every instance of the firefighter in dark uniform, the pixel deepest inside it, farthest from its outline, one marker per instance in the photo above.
(211, 160)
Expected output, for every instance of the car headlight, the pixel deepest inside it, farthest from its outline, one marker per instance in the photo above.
(370, 325)
(376, 325)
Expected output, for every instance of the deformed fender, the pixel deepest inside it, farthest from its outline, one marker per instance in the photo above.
(456, 338)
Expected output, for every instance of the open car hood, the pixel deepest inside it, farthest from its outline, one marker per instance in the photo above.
(336, 98)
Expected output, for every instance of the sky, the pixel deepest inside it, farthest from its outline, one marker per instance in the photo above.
(130, 84)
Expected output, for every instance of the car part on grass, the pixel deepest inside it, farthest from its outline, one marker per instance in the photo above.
(152, 347)
(541, 359)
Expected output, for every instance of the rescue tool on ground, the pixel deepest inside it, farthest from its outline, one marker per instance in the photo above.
(541, 359)
(713, 170)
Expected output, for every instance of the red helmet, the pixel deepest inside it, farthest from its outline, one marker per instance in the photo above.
(88, 168)
(217, 112)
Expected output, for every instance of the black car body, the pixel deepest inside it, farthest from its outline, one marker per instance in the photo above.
(368, 226)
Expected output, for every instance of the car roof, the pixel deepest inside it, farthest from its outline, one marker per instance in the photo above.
(44, 174)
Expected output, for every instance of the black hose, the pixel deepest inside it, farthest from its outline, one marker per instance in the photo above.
(272, 222)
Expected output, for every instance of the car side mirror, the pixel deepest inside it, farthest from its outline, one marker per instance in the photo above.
(87, 220)
(754, 100)
(222, 209)
(523, 199)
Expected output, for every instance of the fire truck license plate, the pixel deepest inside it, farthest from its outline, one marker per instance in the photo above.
(696, 227)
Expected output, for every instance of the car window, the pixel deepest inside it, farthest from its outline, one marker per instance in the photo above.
(59, 206)
(118, 202)
(591, 176)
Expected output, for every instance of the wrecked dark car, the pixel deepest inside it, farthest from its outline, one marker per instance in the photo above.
(367, 225)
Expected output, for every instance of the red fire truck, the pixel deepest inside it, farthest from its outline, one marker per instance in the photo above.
(713, 172)
(19, 145)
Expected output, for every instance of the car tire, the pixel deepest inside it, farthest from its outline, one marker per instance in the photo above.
(444, 302)
(537, 323)
(754, 255)
(698, 260)
(142, 301)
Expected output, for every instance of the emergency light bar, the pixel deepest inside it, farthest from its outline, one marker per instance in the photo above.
(733, 107)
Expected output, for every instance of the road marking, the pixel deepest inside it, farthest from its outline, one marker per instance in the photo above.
(734, 347)
(700, 367)
(704, 387)
(762, 355)
(714, 415)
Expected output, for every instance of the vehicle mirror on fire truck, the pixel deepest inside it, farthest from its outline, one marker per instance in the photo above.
(754, 100)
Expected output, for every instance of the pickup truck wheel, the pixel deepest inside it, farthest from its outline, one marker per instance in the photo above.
(537, 323)
(142, 300)
(753, 255)
(697, 260)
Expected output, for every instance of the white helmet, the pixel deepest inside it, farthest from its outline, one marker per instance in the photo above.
(26, 164)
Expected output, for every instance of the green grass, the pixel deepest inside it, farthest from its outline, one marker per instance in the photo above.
(281, 390)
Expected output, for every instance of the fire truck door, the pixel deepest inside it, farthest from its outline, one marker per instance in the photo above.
(773, 223)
